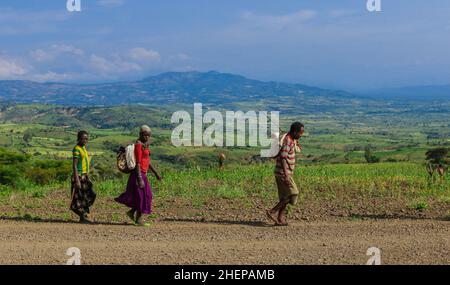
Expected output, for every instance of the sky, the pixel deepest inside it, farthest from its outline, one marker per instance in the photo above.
(325, 43)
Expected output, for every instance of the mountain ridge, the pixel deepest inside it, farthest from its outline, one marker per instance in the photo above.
(165, 88)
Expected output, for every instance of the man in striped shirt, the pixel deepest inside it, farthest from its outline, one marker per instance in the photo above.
(284, 170)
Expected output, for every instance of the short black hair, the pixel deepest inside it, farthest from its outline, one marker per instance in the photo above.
(296, 127)
(81, 133)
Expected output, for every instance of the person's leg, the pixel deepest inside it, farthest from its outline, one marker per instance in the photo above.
(281, 220)
(76, 210)
(131, 213)
(291, 193)
(89, 193)
(139, 219)
(282, 216)
(273, 213)
(75, 204)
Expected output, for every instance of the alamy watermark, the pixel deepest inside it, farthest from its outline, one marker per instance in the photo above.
(73, 5)
(260, 129)
(75, 256)
(375, 256)
(374, 5)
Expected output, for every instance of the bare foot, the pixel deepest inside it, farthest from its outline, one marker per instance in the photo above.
(85, 220)
(130, 215)
(272, 216)
(281, 221)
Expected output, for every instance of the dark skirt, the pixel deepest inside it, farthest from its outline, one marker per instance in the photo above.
(82, 198)
(136, 198)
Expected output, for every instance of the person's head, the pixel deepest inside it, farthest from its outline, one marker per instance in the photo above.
(297, 130)
(83, 138)
(145, 133)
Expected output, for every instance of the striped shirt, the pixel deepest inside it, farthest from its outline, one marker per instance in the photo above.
(287, 152)
(83, 159)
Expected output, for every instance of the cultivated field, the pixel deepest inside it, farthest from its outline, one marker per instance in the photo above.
(203, 215)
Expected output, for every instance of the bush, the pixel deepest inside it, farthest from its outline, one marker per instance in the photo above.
(9, 175)
(8, 157)
(46, 171)
(369, 156)
(438, 156)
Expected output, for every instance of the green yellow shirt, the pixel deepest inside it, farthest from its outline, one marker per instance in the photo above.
(83, 159)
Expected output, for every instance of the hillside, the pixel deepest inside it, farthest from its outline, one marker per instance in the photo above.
(227, 90)
(419, 93)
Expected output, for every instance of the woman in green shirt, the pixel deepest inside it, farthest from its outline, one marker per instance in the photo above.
(83, 195)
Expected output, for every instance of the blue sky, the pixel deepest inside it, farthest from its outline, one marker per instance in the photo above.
(327, 43)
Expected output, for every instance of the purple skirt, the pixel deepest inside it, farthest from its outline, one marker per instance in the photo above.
(136, 198)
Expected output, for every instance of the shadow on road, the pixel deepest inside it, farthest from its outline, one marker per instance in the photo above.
(57, 221)
(220, 222)
(63, 221)
(391, 217)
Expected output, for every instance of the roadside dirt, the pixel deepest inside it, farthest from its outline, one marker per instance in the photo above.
(183, 241)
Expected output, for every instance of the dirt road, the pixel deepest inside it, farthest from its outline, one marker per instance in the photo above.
(184, 242)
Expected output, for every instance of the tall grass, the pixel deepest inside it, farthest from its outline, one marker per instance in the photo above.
(359, 182)
(387, 180)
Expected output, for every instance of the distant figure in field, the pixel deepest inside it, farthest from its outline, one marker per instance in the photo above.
(83, 195)
(221, 160)
(138, 195)
(430, 170)
(440, 170)
(284, 171)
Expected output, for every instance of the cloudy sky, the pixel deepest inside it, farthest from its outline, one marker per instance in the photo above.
(326, 43)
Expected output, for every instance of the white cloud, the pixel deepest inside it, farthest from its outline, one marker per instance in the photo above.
(62, 48)
(51, 53)
(40, 55)
(11, 69)
(112, 66)
(340, 13)
(65, 62)
(51, 76)
(101, 64)
(180, 57)
(142, 54)
(278, 21)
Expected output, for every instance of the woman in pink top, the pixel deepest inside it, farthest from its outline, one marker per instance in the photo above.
(138, 195)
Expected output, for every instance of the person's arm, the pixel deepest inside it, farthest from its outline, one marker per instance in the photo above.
(286, 170)
(138, 155)
(284, 153)
(153, 170)
(140, 180)
(75, 173)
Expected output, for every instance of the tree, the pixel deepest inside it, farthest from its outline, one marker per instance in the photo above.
(438, 159)
(369, 156)
(438, 156)
(27, 136)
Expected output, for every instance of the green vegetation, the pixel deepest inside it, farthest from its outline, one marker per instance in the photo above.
(438, 156)
(337, 167)
(18, 170)
(353, 190)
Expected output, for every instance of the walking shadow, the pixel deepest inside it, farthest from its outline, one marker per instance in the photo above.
(220, 222)
(57, 221)
(393, 217)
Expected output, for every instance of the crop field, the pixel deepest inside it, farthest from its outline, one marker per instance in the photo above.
(345, 201)
(327, 191)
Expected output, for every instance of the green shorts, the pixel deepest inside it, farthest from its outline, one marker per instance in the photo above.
(286, 191)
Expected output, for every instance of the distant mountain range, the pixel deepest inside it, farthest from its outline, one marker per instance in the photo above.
(210, 88)
(174, 88)
(421, 93)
